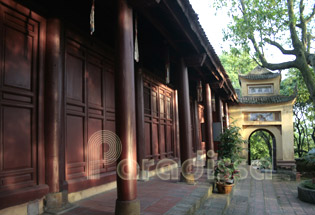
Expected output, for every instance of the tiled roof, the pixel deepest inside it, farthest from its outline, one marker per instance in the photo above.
(265, 99)
(259, 73)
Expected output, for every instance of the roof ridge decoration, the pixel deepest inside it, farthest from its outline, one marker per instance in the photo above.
(259, 73)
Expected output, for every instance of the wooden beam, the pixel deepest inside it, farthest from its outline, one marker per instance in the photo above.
(195, 60)
(160, 27)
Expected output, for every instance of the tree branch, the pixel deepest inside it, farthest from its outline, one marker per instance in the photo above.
(278, 66)
(311, 15)
(294, 37)
(274, 43)
(313, 134)
(302, 25)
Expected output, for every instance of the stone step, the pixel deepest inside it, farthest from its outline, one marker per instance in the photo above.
(215, 204)
(190, 204)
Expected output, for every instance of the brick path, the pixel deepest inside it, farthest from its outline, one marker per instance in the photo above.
(259, 197)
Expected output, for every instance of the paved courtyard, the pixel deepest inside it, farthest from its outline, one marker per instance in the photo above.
(259, 197)
(250, 197)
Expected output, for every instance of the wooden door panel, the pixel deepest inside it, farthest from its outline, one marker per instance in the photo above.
(147, 139)
(95, 146)
(75, 77)
(75, 139)
(155, 139)
(22, 38)
(95, 125)
(18, 48)
(162, 141)
(17, 138)
(169, 138)
(90, 108)
(94, 84)
(110, 90)
(159, 126)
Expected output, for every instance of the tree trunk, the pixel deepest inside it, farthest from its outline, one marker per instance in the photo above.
(307, 73)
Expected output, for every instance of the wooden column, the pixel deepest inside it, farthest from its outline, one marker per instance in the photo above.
(57, 199)
(184, 114)
(224, 116)
(196, 125)
(208, 118)
(217, 120)
(53, 103)
(227, 118)
(127, 202)
(140, 117)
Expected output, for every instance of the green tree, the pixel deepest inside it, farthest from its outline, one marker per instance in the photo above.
(304, 112)
(260, 145)
(237, 62)
(287, 25)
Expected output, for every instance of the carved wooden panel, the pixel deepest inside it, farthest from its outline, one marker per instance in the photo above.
(20, 113)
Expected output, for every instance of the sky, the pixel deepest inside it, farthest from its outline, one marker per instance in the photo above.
(212, 23)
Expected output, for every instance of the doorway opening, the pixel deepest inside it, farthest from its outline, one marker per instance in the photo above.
(262, 150)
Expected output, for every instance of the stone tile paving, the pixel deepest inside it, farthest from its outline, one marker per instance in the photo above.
(156, 198)
(255, 197)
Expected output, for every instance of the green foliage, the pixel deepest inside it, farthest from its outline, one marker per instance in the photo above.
(226, 170)
(267, 19)
(303, 111)
(287, 25)
(259, 142)
(230, 146)
(237, 61)
(309, 159)
(265, 163)
(308, 184)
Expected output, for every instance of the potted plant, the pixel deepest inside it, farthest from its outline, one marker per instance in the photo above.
(225, 173)
(230, 154)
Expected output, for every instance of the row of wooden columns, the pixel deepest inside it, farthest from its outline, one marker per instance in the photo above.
(126, 112)
(126, 108)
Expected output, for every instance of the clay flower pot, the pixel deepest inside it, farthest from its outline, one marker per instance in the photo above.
(224, 188)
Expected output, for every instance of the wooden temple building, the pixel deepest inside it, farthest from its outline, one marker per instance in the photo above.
(147, 73)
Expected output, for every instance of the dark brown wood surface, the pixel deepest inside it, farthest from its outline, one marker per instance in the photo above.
(22, 44)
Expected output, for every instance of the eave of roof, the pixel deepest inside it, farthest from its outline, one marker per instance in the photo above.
(260, 77)
(193, 19)
(265, 99)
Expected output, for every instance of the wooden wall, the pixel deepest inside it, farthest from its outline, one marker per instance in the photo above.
(22, 42)
(89, 105)
(159, 114)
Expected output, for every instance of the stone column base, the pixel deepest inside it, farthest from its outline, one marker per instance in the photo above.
(57, 203)
(144, 175)
(127, 207)
(188, 178)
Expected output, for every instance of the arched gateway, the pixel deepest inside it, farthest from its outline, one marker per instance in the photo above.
(261, 107)
(270, 141)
